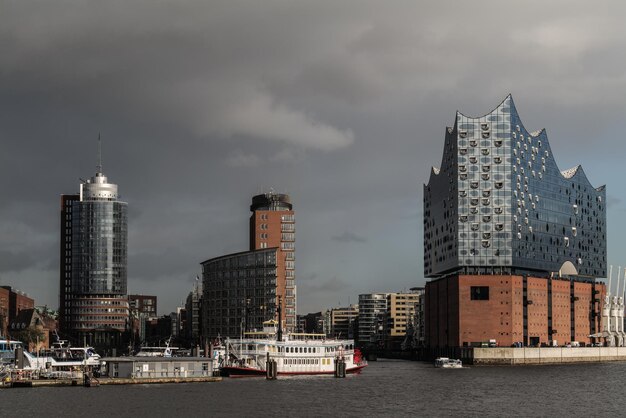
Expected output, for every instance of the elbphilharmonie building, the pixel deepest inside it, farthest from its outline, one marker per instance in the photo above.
(499, 204)
(513, 245)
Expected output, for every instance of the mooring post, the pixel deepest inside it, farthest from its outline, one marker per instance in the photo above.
(270, 368)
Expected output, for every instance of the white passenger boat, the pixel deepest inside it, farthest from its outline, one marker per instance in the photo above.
(448, 363)
(62, 357)
(294, 353)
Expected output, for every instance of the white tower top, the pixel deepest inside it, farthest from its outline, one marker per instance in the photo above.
(98, 187)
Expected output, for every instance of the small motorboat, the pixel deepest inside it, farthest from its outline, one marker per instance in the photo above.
(448, 363)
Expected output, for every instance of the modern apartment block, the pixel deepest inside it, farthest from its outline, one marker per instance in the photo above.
(93, 303)
(340, 321)
(272, 225)
(399, 317)
(513, 244)
(240, 291)
(372, 310)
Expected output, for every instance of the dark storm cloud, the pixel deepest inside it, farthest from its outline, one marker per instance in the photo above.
(348, 237)
(341, 104)
(12, 262)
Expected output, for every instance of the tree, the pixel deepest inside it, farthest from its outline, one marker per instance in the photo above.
(29, 336)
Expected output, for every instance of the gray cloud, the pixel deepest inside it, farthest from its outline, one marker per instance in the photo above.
(341, 104)
(349, 237)
(15, 262)
(613, 201)
(329, 286)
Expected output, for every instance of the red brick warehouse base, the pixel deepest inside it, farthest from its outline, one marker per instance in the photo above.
(464, 310)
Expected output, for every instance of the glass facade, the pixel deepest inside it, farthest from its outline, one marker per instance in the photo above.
(94, 263)
(99, 261)
(499, 204)
(239, 292)
(372, 308)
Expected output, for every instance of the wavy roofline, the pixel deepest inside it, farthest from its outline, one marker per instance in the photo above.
(578, 170)
(508, 96)
(565, 174)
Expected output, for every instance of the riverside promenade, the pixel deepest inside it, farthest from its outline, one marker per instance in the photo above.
(545, 355)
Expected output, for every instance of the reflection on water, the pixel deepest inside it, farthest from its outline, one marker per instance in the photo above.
(386, 387)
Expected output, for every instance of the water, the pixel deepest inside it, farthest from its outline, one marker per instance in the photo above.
(385, 388)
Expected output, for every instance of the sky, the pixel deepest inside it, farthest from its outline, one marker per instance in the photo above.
(341, 104)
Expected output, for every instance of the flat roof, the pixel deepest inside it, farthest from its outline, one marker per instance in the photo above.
(153, 359)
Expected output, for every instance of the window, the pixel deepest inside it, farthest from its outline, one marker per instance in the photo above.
(479, 292)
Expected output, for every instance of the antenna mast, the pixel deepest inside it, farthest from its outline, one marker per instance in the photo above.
(99, 166)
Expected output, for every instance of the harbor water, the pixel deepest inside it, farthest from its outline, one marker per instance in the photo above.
(385, 388)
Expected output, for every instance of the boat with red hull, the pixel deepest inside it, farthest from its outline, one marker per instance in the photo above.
(293, 353)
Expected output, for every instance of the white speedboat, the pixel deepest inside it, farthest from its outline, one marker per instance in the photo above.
(448, 363)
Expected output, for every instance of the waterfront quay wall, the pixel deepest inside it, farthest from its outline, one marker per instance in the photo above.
(545, 355)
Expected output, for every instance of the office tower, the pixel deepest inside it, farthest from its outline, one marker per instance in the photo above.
(272, 225)
(93, 302)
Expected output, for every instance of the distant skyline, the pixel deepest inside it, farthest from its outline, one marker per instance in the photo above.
(343, 106)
